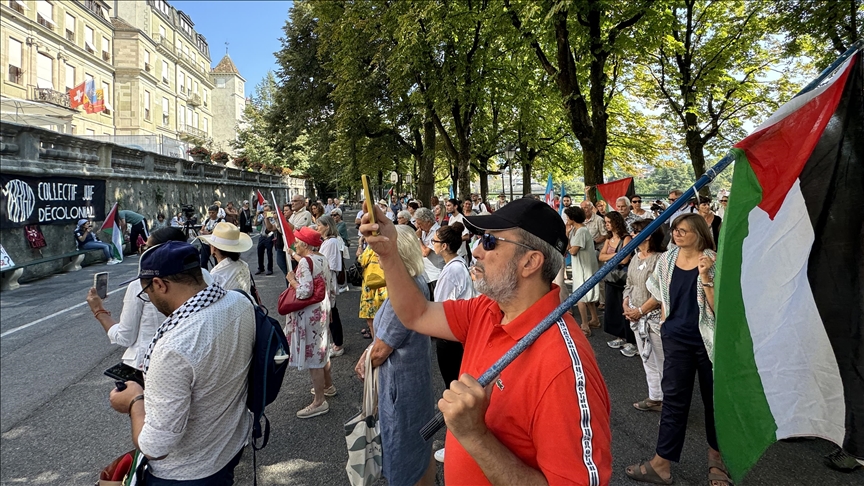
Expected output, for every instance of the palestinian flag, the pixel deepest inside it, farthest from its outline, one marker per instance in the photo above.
(285, 227)
(788, 348)
(611, 191)
(111, 225)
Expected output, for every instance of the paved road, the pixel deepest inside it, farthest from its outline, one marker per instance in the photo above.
(57, 427)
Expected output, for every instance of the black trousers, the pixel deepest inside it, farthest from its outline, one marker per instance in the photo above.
(204, 253)
(336, 327)
(682, 361)
(265, 243)
(449, 355)
(614, 321)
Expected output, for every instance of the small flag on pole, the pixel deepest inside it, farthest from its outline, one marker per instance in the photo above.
(286, 228)
(550, 195)
(261, 198)
(111, 225)
(561, 203)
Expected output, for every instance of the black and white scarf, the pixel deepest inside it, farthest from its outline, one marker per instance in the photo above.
(199, 301)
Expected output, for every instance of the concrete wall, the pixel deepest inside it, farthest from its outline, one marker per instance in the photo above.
(144, 182)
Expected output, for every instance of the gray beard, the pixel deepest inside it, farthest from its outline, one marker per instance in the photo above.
(502, 290)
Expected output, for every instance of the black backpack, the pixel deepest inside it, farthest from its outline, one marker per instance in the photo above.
(266, 373)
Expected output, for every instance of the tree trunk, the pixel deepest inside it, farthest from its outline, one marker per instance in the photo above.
(426, 182)
(483, 165)
(526, 178)
(696, 148)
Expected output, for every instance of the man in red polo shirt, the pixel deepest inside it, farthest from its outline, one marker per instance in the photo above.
(545, 420)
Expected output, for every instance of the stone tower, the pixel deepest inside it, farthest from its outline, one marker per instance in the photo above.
(229, 101)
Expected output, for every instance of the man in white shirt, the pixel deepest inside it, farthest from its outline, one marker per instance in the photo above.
(595, 224)
(453, 206)
(301, 217)
(567, 202)
(193, 422)
(427, 228)
(329, 206)
(477, 205)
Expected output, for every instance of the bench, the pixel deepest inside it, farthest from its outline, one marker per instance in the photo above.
(10, 275)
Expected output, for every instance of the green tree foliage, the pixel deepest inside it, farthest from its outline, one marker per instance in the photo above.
(709, 72)
(253, 137)
(819, 29)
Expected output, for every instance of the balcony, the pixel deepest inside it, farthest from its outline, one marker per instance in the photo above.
(164, 46)
(193, 100)
(191, 133)
(50, 96)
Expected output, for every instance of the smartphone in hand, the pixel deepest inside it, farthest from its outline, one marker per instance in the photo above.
(100, 281)
(370, 203)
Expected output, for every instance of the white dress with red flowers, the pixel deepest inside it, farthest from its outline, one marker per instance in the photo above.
(308, 330)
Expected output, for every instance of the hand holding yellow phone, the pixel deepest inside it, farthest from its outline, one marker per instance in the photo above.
(370, 204)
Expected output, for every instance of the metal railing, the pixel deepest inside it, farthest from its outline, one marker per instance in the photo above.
(195, 132)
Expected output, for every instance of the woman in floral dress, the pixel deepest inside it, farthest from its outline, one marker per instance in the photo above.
(307, 329)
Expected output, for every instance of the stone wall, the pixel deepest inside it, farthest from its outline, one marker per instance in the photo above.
(144, 182)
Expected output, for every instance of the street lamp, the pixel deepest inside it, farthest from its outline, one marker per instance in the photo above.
(509, 153)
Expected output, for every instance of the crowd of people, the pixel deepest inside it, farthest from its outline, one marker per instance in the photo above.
(470, 277)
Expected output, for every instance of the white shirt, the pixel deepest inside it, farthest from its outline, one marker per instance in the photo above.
(455, 282)
(195, 400)
(138, 323)
(433, 262)
(232, 275)
(458, 217)
(332, 251)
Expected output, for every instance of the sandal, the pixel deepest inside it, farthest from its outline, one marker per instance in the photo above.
(594, 324)
(715, 479)
(649, 405)
(650, 476)
(586, 330)
(366, 334)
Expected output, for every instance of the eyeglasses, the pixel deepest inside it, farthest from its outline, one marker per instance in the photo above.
(680, 231)
(490, 241)
(143, 294)
(724, 200)
(636, 201)
(437, 241)
(673, 199)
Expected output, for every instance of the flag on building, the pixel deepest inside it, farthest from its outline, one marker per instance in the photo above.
(550, 193)
(611, 191)
(77, 96)
(788, 348)
(93, 100)
(286, 228)
(111, 225)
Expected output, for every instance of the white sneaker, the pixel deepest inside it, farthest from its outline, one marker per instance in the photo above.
(439, 455)
(629, 350)
(336, 352)
(344, 289)
(112, 261)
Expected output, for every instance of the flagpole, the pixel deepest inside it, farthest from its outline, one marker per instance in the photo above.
(279, 218)
(486, 378)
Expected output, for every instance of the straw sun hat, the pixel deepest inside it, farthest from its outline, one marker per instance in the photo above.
(228, 237)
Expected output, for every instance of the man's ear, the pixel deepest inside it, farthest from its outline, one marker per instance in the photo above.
(531, 263)
(159, 285)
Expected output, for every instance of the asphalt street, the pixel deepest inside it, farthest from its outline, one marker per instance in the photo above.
(58, 428)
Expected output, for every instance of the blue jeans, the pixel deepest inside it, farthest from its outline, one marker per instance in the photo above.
(98, 245)
(224, 477)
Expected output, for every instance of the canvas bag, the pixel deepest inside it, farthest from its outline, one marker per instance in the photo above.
(363, 434)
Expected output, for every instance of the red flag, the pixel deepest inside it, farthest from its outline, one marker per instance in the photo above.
(77, 95)
(261, 198)
(285, 226)
(611, 191)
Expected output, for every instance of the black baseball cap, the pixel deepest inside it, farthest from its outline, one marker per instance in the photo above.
(531, 215)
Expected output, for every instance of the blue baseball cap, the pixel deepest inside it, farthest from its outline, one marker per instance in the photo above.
(169, 258)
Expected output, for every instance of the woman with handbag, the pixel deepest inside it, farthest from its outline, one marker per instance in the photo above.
(404, 362)
(331, 248)
(614, 321)
(643, 312)
(372, 295)
(306, 304)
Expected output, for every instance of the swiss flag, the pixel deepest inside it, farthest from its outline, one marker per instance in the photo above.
(77, 96)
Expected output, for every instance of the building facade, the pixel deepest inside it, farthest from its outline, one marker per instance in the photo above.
(162, 73)
(49, 47)
(229, 101)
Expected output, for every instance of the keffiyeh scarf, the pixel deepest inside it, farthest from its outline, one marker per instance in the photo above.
(199, 301)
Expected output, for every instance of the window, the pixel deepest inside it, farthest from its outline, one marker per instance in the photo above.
(162, 31)
(14, 71)
(45, 14)
(90, 132)
(195, 86)
(106, 94)
(165, 72)
(18, 6)
(189, 116)
(162, 6)
(179, 46)
(44, 71)
(165, 108)
(220, 82)
(88, 40)
(70, 27)
(195, 120)
(205, 97)
(74, 130)
(181, 81)
(147, 60)
(147, 105)
(204, 127)
(70, 77)
(181, 116)
(106, 49)
(88, 78)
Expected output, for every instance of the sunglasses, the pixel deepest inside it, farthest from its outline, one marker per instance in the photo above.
(673, 199)
(724, 200)
(490, 241)
(636, 201)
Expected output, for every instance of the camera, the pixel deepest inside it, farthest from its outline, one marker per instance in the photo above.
(658, 207)
(188, 211)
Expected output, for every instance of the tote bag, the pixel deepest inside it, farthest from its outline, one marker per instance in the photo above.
(288, 301)
(363, 434)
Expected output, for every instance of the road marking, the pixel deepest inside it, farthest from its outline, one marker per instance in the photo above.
(37, 321)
